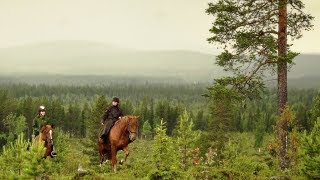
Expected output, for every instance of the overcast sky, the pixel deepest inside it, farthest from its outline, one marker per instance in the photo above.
(139, 24)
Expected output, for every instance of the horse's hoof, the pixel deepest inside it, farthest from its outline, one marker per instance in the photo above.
(53, 154)
(121, 162)
(106, 161)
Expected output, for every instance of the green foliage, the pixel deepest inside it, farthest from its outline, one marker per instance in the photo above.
(139, 163)
(21, 159)
(74, 121)
(200, 122)
(260, 130)
(69, 154)
(164, 156)
(314, 112)
(146, 130)
(93, 127)
(186, 139)
(250, 39)
(286, 142)
(28, 109)
(35, 164)
(12, 158)
(7, 106)
(222, 107)
(14, 125)
(311, 152)
(18, 162)
(239, 158)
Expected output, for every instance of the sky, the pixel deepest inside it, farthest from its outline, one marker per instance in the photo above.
(136, 24)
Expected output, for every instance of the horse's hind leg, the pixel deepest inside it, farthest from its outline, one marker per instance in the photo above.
(126, 152)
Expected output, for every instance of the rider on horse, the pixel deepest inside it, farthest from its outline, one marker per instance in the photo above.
(111, 115)
(39, 121)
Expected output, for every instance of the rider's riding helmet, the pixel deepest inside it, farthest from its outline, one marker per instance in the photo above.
(115, 99)
(42, 108)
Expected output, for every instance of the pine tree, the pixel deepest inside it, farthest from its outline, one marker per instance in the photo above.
(186, 138)
(200, 121)
(253, 35)
(7, 106)
(311, 152)
(94, 127)
(222, 106)
(260, 130)
(146, 130)
(28, 109)
(314, 112)
(55, 112)
(35, 164)
(13, 157)
(164, 156)
(127, 107)
(16, 162)
(85, 116)
(14, 126)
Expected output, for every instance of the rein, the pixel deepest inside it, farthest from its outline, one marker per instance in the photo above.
(128, 128)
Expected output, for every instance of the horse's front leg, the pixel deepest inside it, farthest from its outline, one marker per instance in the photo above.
(101, 158)
(126, 152)
(100, 150)
(114, 158)
(48, 151)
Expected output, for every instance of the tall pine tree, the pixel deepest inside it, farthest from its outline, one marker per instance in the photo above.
(253, 35)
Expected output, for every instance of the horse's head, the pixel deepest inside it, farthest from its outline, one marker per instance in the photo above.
(133, 126)
(47, 133)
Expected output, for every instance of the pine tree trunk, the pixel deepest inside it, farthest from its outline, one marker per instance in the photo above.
(282, 52)
(282, 77)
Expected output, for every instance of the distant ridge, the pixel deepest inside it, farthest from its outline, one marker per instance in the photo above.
(94, 58)
(83, 57)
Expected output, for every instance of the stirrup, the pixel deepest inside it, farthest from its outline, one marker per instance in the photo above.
(53, 154)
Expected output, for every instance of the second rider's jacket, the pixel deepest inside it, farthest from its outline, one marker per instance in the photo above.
(112, 113)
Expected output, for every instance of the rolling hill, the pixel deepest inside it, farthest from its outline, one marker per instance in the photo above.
(91, 58)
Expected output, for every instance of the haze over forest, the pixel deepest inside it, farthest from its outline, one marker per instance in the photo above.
(154, 39)
(91, 58)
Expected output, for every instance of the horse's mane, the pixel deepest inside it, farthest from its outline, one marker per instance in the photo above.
(124, 121)
(125, 118)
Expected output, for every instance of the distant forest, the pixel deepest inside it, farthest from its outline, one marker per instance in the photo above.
(149, 100)
(167, 111)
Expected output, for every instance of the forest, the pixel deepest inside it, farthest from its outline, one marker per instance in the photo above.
(178, 134)
(249, 108)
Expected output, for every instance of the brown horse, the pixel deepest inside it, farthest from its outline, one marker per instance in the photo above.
(121, 134)
(46, 135)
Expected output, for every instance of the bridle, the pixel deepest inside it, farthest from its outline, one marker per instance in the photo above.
(49, 139)
(132, 134)
(129, 129)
